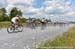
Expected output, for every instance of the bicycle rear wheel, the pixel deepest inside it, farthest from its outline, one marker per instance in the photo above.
(10, 29)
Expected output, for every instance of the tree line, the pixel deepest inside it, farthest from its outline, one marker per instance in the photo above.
(14, 11)
(7, 17)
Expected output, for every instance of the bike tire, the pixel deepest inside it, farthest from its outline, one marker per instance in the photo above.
(10, 30)
(20, 28)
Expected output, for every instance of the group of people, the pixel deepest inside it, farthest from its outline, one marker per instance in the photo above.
(15, 21)
(33, 21)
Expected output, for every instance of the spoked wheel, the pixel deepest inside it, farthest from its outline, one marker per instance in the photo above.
(20, 28)
(10, 29)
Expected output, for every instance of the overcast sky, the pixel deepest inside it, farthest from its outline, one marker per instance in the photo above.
(58, 10)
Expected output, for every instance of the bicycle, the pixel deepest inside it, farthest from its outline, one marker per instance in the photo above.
(19, 28)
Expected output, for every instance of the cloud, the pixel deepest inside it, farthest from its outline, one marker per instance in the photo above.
(24, 5)
(20, 1)
(9, 7)
(55, 5)
(25, 2)
(31, 10)
(56, 9)
(71, 13)
(53, 8)
(2, 1)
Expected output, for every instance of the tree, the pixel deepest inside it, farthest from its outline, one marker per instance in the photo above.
(14, 12)
(3, 10)
(2, 14)
(20, 13)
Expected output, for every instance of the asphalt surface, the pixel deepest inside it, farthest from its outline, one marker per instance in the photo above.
(30, 38)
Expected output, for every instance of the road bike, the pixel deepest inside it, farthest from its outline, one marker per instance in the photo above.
(19, 28)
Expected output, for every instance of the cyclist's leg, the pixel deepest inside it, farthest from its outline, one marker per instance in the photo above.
(42, 24)
(33, 24)
(13, 25)
(17, 23)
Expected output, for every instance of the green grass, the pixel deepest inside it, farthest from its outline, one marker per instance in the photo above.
(67, 39)
(7, 24)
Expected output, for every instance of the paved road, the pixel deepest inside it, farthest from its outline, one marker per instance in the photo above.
(29, 38)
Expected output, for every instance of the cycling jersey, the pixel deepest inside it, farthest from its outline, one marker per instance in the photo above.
(43, 20)
(14, 19)
(33, 20)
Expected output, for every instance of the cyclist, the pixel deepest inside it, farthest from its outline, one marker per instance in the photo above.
(15, 21)
(43, 22)
(33, 22)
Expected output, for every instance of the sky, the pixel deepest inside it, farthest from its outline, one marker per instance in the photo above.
(57, 10)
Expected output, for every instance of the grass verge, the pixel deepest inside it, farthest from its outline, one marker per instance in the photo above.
(7, 24)
(67, 39)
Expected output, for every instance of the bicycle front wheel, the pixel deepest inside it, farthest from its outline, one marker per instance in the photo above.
(20, 28)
